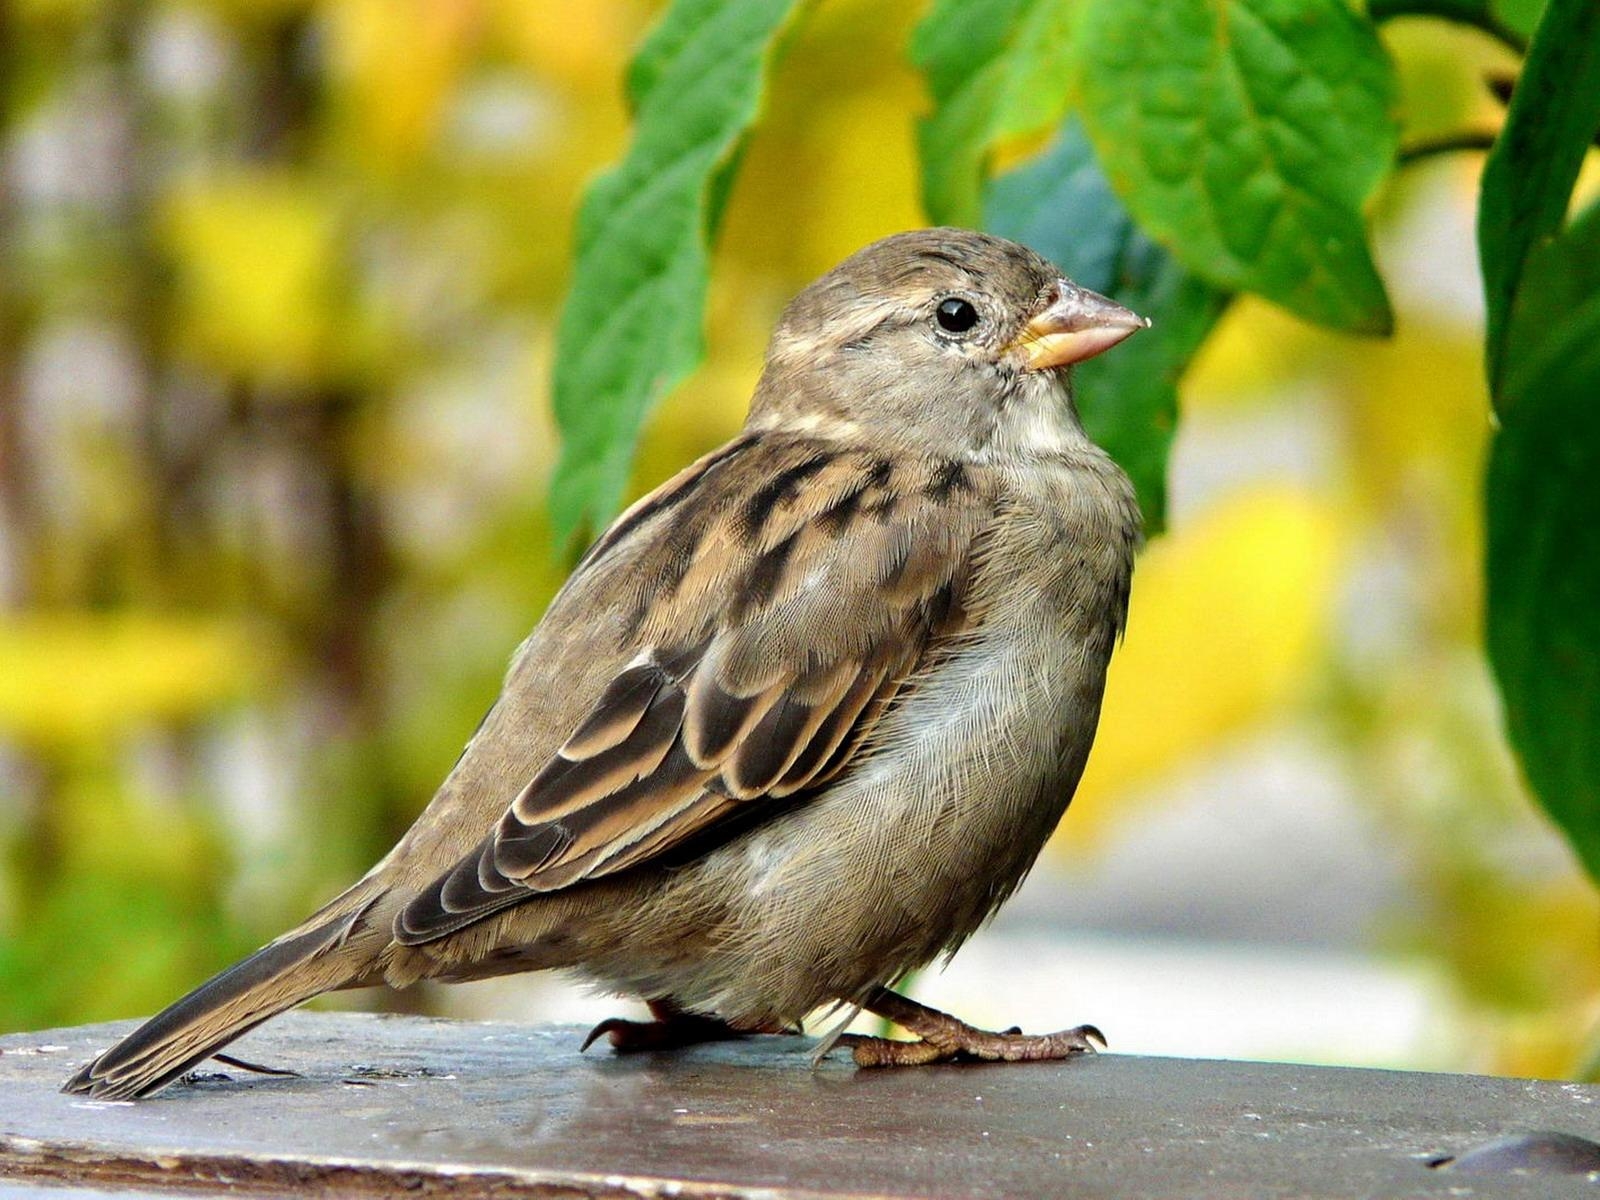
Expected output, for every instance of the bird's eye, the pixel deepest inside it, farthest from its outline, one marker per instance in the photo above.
(956, 315)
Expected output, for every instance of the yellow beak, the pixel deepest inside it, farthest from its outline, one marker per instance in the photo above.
(1075, 324)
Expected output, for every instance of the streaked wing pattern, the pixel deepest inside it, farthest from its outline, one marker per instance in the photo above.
(775, 688)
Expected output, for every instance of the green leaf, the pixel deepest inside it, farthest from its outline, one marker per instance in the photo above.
(1246, 136)
(1528, 180)
(997, 69)
(1542, 512)
(1061, 205)
(1542, 286)
(1559, 300)
(631, 329)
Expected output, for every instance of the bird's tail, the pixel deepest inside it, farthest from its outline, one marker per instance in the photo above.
(320, 957)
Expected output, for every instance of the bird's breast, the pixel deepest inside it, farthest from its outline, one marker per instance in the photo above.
(907, 855)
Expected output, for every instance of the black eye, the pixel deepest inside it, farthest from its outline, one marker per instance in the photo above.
(956, 315)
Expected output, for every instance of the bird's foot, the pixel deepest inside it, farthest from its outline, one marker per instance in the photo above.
(672, 1029)
(943, 1038)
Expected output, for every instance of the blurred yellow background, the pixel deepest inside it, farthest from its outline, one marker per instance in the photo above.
(277, 289)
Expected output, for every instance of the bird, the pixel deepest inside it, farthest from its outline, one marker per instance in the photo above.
(799, 721)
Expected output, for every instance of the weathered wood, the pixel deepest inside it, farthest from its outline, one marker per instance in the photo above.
(390, 1104)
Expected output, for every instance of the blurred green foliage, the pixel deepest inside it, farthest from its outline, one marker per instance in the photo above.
(1542, 278)
(278, 296)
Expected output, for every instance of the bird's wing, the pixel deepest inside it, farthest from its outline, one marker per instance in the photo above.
(783, 593)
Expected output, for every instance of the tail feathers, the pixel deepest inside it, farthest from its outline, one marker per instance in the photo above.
(274, 978)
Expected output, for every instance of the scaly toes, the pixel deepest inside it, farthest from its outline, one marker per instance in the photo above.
(968, 1044)
(887, 1052)
(1019, 1047)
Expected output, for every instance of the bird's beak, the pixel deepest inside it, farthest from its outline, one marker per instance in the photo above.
(1075, 324)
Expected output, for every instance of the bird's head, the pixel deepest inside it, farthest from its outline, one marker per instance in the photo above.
(944, 338)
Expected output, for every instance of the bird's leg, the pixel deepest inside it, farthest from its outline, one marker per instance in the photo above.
(942, 1038)
(671, 1029)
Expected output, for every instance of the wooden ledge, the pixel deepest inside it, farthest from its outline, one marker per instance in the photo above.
(385, 1105)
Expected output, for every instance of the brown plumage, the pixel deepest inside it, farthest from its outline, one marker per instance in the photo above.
(802, 717)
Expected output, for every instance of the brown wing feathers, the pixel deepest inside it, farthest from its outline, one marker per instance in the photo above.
(774, 693)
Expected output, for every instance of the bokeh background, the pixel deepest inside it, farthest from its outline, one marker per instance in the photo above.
(278, 282)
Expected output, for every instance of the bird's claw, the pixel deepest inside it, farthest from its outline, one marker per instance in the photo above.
(671, 1030)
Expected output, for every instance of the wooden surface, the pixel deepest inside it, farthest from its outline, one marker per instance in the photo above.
(390, 1104)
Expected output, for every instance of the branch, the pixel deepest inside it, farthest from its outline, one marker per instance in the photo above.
(1446, 143)
(1474, 13)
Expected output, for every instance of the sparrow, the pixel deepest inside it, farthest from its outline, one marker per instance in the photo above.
(800, 720)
